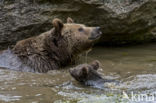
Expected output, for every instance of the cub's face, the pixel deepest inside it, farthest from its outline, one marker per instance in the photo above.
(85, 72)
(79, 36)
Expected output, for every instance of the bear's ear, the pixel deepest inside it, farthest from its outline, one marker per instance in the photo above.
(70, 20)
(58, 25)
(95, 64)
(84, 71)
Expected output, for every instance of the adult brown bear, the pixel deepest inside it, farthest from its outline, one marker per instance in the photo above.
(50, 50)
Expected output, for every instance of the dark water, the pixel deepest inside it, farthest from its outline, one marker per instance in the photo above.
(134, 67)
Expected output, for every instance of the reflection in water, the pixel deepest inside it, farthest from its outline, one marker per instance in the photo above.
(134, 67)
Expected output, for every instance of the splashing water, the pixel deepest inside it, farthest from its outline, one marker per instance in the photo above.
(10, 61)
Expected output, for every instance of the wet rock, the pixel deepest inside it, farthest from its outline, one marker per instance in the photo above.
(20, 19)
(122, 21)
(125, 21)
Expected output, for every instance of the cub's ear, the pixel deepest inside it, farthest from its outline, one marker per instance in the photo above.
(95, 64)
(58, 25)
(70, 20)
(84, 71)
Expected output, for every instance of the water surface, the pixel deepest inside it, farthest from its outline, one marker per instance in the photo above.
(134, 67)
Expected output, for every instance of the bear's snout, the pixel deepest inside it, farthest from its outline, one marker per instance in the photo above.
(98, 28)
(96, 33)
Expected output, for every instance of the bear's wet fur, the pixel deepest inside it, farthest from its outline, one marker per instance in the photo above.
(53, 49)
(87, 74)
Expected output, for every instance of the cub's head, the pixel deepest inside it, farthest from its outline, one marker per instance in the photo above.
(78, 36)
(85, 72)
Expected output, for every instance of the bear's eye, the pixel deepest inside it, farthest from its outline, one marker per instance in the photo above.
(80, 29)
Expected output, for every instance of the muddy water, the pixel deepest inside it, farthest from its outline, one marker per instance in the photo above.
(134, 67)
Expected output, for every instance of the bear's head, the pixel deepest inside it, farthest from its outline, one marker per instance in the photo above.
(78, 36)
(86, 72)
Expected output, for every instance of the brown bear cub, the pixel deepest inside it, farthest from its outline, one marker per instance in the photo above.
(87, 74)
(53, 49)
